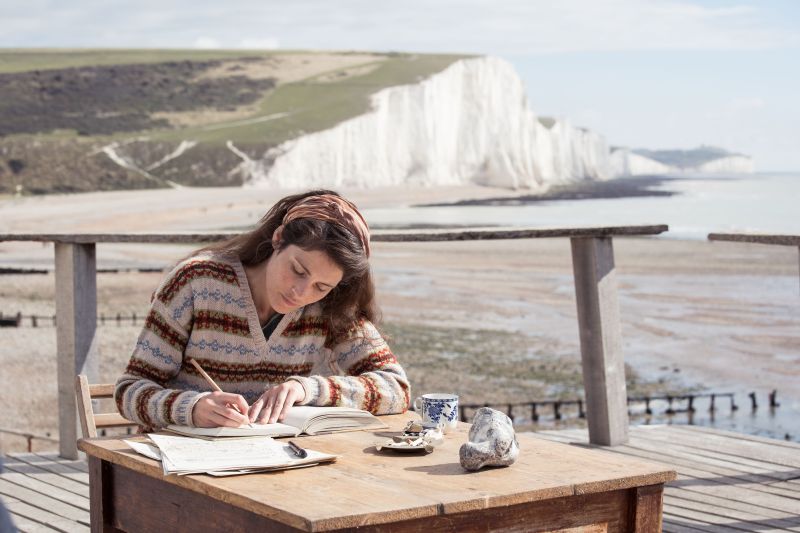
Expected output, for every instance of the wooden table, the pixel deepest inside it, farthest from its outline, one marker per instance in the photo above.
(551, 487)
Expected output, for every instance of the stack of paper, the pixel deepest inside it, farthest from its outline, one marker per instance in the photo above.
(186, 455)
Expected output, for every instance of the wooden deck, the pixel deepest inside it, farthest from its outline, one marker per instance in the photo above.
(46, 493)
(726, 481)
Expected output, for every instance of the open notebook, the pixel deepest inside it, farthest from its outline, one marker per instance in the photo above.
(300, 419)
(184, 455)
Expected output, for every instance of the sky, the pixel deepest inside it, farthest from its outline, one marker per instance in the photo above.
(653, 74)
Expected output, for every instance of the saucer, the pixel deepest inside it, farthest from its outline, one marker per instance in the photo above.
(404, 447)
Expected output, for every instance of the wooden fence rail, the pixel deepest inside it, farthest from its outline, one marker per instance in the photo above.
(759, 238)
(595, 289)
(29, 437)
(19, 320)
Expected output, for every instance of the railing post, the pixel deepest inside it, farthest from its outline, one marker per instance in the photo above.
(601, 343)
(76, 309)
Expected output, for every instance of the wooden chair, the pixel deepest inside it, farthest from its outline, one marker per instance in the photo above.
(91, 421)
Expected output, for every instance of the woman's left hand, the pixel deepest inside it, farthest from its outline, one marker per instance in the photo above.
(273, 405)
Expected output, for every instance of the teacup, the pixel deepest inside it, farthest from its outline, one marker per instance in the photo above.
(438, 409)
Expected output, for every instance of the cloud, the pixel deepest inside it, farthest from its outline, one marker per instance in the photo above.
(508, 27)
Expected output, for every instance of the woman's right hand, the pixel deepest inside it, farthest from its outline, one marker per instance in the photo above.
(219, 409)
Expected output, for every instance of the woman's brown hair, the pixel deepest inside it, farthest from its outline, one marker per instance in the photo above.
(353, 299)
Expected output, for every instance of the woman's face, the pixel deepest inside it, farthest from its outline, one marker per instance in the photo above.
(296, 277)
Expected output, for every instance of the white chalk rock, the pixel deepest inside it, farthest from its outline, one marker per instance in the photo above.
(492, 441)
(468, 124)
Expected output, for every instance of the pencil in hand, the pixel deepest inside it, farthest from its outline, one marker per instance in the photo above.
(213, 384)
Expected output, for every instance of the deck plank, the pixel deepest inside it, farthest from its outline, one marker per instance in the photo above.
(719, 459)
(738, 495)
(726, 481)
(691, 520)
(81, 502)
(78, 464)
(40, 474)
(29, 526)
(729, 514)
(702, 472)
(724, 447)
(711, 518)
(51, 520)
(755, 509)
(769, 470)
(681, 525)
(46, 503)
(699, 468)
(51, 465)
(742, 436)
(701, 475)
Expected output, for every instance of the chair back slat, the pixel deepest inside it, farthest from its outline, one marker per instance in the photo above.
(85, 412)
(102, 390)
(110, 420)
(90, 420)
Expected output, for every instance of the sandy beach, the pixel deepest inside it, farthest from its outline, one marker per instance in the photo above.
(494, 321)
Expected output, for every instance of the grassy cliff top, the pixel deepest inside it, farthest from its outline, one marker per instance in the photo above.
(209, 96)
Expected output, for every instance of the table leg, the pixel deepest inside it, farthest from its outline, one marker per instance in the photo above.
(100, 486)
(646, 508)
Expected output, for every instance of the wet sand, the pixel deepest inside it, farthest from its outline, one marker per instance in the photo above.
(494, 320)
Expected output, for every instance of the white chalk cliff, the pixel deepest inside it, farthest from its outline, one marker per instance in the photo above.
(469, 123)
(625, 162)
(735, 164)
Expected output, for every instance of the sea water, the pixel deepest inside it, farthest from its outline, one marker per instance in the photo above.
(699, 205)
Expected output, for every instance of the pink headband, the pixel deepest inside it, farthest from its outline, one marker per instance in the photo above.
(334, 209)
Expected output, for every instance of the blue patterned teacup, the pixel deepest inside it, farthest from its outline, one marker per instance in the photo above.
(436, 409)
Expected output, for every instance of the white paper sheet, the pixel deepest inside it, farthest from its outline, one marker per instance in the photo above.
(144, 448)
(188, 455)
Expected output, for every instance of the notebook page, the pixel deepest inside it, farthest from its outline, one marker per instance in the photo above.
(185, 454)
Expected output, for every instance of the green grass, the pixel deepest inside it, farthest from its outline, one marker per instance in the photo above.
(314, 105)
(24, 60)
(310, 105)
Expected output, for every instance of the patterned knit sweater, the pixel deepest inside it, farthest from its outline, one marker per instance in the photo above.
(204, 310)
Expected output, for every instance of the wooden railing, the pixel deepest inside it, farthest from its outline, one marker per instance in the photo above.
(759, 238)
(29, 437)
(595, 289)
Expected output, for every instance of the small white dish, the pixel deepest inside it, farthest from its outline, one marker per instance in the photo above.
(404, 446)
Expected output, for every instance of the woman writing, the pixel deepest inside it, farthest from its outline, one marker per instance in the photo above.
(278, 316)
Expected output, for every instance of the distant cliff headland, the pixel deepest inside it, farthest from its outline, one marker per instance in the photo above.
(88, 120)
(705, 159)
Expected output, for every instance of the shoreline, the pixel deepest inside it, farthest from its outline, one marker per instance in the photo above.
(627, 187)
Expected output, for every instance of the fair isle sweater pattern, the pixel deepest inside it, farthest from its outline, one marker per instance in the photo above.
(204, 310)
